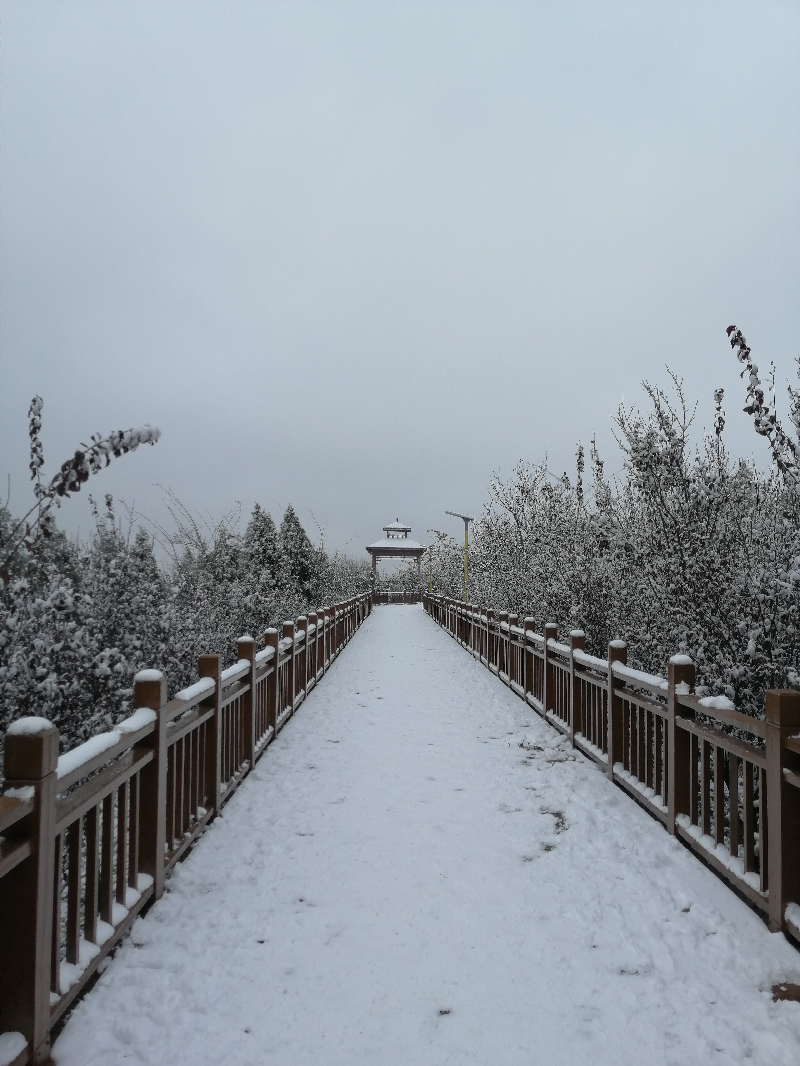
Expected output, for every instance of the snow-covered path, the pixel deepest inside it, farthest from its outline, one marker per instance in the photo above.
(420, 871)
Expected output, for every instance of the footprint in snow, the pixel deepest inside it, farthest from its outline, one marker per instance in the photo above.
(560, 817)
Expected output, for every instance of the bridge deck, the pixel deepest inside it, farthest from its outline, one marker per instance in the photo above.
(420, 871)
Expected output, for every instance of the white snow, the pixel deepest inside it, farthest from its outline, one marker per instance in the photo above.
(94, 746)
(264, 654)
(24, 794)
(735, 863)
(149, 675)
(586, 659)
(681, 660)
(11, 1044)
(85, 752)
(233, 673)
(138, 720)
(639, 676)
(421, 871)
(199, 688)
(720, 703)
(25, 727)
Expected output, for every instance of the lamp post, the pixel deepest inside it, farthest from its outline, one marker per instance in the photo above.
(466, 520)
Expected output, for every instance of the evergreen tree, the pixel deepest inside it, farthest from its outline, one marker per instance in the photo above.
(298, 558)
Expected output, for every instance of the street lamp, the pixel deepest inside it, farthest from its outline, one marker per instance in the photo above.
(466, 520)
(438, 533)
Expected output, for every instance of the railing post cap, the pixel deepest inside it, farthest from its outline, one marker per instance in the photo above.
(31, 749)
(680, 668)
(149, 689)
(617, 651)
(577, 639)
(246, 647)
(783, 707)
(210, 665)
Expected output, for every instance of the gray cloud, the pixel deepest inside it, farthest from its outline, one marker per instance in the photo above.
(359, 256)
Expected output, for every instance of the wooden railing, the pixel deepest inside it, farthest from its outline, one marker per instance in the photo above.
(725, 783)
(396, 597)
(87, 839)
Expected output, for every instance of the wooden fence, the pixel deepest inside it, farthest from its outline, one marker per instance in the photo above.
(396, 597)
(88, 838)
(726, 784)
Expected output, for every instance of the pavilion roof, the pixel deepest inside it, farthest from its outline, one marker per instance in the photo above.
(395, 544)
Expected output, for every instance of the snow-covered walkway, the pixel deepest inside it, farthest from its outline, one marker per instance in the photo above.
(418, 871)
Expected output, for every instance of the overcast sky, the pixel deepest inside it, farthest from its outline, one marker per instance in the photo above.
(358, 257)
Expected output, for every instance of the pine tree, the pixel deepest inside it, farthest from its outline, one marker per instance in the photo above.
(298, 561)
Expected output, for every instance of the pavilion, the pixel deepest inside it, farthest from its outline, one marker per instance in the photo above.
(396, 545)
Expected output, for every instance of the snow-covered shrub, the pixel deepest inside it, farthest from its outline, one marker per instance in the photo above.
(77, 621)
(689, 550)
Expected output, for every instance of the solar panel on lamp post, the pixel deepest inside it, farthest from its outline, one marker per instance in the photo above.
(466, 520)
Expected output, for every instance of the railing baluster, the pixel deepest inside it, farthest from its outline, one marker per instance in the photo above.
(107, 861)
(92, 872)
(733, 803)
(123, 806)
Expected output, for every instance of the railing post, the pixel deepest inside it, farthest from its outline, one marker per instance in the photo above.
(150, 690)
(26, 893)
(271, 641)
(288, 634)
(246, 649)
(210, 667)
(617, 653)
(527, 658)
(302, 626)
(680, 677)
(313, 620)
(783, 806)
(513, 620)
(504, 646)
(550, 633)
(577, 642)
